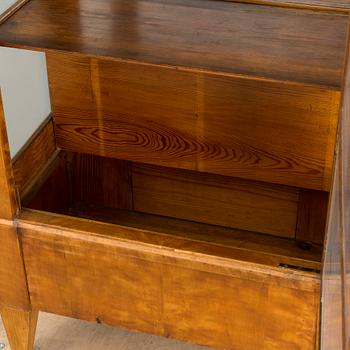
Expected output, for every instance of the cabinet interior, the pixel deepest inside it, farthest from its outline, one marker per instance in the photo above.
(229, 217)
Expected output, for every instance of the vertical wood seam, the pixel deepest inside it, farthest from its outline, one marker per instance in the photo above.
(20, 249)
(96, 93)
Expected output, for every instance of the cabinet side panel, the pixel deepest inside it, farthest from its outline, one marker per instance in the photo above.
(335, 328)
(13, 286)
(346, 208)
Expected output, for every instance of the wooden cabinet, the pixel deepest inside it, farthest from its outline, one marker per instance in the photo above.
(192, 180)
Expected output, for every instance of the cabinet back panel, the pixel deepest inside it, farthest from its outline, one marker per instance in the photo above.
(269, 131)
(217, 200)
(183, 194)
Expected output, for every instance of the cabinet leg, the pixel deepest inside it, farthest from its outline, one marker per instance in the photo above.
(20, 327)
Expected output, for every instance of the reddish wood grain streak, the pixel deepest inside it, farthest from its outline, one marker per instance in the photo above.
(102, 181)
(260, 130)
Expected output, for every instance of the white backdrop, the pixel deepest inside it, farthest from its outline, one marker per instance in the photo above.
(25, 93)
(5, 4)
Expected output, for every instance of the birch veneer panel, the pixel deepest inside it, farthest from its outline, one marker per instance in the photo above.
(195, 277)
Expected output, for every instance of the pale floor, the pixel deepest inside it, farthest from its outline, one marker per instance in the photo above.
(61, 333)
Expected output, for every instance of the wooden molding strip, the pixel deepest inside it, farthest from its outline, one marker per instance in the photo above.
(323, 5)
(144, 244)
(13, 9)
(35, 155)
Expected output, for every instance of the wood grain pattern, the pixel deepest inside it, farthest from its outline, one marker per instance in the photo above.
(87, 180)
(333, 306)
(273, 42)
(335, 332)
(345, 167)
(20, 327)
(254, 129)
(210, 307)
(336, 5)
(161, 232)
(102, 181)
(52, 189)
(216, 200)
(63, 261)
(35, 156)
(13, 287)
(312, 216)
(8, 202)
(209, 239)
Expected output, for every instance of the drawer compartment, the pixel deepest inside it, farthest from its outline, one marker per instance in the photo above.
(171, 280)
(162, 264)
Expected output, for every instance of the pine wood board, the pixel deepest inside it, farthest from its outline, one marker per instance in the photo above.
(249, 128)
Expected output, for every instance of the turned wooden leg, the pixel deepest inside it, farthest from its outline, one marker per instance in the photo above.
(20, 327)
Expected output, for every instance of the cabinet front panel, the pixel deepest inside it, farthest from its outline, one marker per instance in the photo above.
(170, 292)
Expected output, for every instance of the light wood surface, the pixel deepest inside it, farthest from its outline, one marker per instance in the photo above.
(176, 234)
(187, 293)
(255, 129)
(8, 200)
(63, 333)
(13, 287)
(20, 327)
(336, 272)
(336, 5)
(246, 91)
